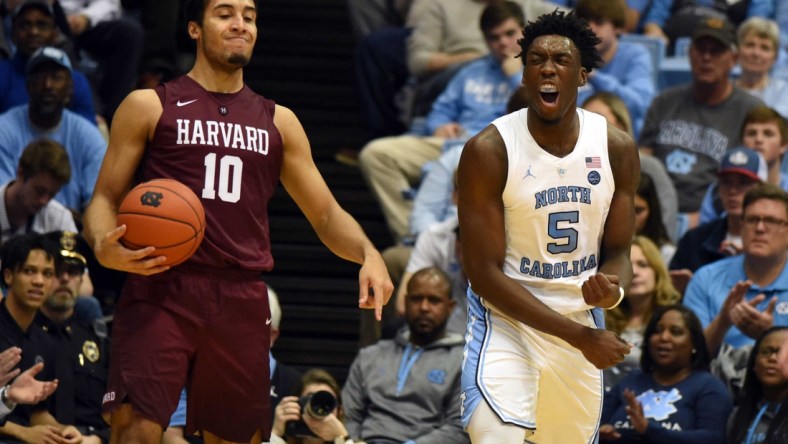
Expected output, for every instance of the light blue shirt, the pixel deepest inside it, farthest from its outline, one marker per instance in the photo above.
(709, 287)
(628, 75)
(775, 94)
(474, 97)
(81, 139)
(433, 201)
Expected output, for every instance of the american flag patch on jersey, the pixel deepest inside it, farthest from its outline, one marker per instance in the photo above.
(593, 162)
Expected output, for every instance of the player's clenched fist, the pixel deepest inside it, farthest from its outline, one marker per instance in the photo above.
(603, 348)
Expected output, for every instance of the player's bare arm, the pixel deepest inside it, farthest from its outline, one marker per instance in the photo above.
(133, 126)
(615, 269)
(333, 225)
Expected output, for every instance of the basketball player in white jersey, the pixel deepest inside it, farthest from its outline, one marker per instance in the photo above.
(546, 221)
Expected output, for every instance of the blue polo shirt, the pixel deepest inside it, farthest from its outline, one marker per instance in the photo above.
(711, 284)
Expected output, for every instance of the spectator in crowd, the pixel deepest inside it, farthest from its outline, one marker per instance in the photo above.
(759, 45)
(408, 389)
(327, 428)
(691, 127)
(758, 416)
(115, 42)
(651, 287)
(29, 264)
(612, 108)
(648, 218)
(83, 357)
(50, 87)
(33, 26)
(766, 132)
(476, 96)
(26, 202)
(20, 388)
(740, 171)
(626, 68)
(735, 298)
(670, 20)
(439, 246)
(673, 398)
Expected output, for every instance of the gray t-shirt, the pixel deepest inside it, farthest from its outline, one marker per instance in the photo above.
(691, 138)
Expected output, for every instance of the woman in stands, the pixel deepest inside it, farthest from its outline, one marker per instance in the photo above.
(672, 398)
(651, 288)
(761, 416)
(759, 41)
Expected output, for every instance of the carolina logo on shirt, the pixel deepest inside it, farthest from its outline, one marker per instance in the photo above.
(659, 405)
(437, 376)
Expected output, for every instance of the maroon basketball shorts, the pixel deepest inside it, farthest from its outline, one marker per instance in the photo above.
(208, 331)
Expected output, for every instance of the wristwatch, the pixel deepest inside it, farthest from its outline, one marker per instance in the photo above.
(4, 398)
(343, 440)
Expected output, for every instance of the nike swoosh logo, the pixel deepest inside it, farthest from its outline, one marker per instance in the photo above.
(268, 321)
(185, 103)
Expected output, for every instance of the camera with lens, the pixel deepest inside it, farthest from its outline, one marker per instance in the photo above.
(317, 405)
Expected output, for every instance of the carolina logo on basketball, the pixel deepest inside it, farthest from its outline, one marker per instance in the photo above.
(151, 199)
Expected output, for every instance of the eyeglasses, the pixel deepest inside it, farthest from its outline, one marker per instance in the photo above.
(766, 352)
(771, 223)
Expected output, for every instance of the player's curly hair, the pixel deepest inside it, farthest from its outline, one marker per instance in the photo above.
(570, 26)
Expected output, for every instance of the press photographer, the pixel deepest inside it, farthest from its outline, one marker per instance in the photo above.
(315, 417)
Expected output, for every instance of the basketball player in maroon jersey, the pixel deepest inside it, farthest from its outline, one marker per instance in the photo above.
(203, 323)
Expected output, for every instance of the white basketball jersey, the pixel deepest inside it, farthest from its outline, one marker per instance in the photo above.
(555, 210)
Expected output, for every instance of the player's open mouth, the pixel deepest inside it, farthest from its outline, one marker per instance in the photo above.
(548, 93)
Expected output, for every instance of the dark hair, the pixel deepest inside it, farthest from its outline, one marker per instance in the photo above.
(599, 10)
(749, 401)
(654, 228)
(195, 10)
(45, 156)
(765, 114)
(14, 253)
(700, 355)
(498, 12)
(570, 26)
(765, 190)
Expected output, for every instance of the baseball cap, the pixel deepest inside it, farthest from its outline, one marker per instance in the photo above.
(719, 29)
(744, 161)
(43, 5)
(48, 54)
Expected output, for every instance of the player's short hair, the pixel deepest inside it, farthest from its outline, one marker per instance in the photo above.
(15, 251)
(766, 114)
(700, 353)
(498, 12)
(613, 11)
(195, 10)
(45, 156)
(568, 25)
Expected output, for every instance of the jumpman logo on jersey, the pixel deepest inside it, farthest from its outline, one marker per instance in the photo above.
(528, 173)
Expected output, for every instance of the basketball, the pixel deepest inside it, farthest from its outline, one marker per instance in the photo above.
(165, 214)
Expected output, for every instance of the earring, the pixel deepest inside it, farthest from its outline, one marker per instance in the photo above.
(693, 351)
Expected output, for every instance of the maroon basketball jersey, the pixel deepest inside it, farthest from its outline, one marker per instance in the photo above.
(226, 148)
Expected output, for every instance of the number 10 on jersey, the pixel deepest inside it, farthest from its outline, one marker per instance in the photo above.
(230, 171)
